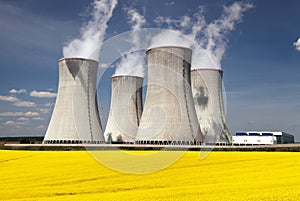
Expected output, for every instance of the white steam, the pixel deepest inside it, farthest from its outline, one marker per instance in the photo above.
(217, 31)
(207, 40)
(171, 38)
(134, 62)
(297, 44)
(92, 33)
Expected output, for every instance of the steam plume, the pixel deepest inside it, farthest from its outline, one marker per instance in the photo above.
(92, 33)
(208, 40)
(297, 44)
(133, 63)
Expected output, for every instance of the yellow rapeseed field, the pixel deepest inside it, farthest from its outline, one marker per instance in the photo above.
(76, 175)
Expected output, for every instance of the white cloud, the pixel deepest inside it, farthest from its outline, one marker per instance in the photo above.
(23, 119)
(9, 123)
(185, 21)
(38, 118)
(49, 104)
(17, 102)
(14, 123)
(297, 44)
(24, 104)
(31, 114)
(16, 91)
(22, 123)
(135, 19)
(42, 94)
(42, 127)
(44, 110)
(168, 21)
(9, 98)
(11, 114)
(19, 114)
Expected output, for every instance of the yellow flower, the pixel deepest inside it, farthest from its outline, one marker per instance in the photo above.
(76, 175)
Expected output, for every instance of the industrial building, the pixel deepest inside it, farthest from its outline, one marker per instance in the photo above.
(209, 104)
(169, 114)
(125, 109)
(262, 138)
(75, 117)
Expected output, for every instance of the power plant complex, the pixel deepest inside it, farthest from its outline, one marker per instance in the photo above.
(182, 106)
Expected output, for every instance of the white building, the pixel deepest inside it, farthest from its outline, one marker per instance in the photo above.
(261, 138)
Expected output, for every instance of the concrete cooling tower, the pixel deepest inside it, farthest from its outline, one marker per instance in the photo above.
(169, 115)
(208, 100)
(75, 117)
(125, 109)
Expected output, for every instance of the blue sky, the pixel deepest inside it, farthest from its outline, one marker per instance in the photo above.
(261, 65)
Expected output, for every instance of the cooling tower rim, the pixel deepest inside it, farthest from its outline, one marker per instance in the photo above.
(135, 76)
(212, 69)
(77, 58)
(168, 46)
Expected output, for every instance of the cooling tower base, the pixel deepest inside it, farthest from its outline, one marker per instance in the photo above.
(72, 142)
(158, 142)
(120, 147)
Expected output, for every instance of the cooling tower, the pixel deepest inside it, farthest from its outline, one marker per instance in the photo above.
(125, 109)
(208, 100)
(169, 115)
(75, 117)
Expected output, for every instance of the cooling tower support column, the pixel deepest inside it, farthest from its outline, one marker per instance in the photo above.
(125, 109)
(169, 115)
(75, 117)
(209, 104)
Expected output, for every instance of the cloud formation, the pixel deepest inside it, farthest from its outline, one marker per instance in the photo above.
(17, 102)
(18, 91)
(9, 123)
(297, 44)
(21, 103)
(44, 110)
(42, 94)
(38, 118)
(48, 104)
(15, 123)
(23, 119)
(9, 98)
(19, 114)
(41, 127)
(92, 33)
